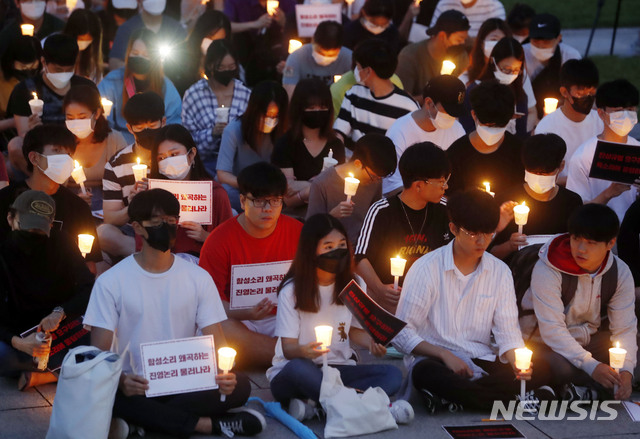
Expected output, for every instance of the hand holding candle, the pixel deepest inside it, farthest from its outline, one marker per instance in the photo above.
(523, 363)
(329, 161)
(323, 335)
(139, 171)
(617, 356)
(37, 105)
(85, 243)
(27, 29)
(226, 357)
(487, 188)
(222, 114)
(447, 67)
(521, 214)
(397, 270)
(78, 176)
(350, 186)
(272, 6)
(550, 105)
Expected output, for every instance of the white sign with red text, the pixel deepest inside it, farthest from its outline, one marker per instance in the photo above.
(309, 17)
(251, 283)
(195, 197)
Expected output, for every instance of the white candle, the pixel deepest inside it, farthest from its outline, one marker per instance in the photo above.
(487, 188)
(550, 105)
(37, 105)
(323, 335)
(329, 161)
(447, 67)
(139, 171)
(294, 45)
(222, 114)
(336, 78)
(521, 214)
(617, 356)
(272, 5)
(397, 270)
(226, 357)
(27, 29)
(85, 243)
(350, 186)
(523, 362)
(106, 106)
(79, 176)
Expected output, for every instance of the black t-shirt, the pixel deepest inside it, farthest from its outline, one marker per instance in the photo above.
(629, 240)
(73, 216)
(502, 168)
(294, 154)
(355, 33)
(386, 233)
(11, 30)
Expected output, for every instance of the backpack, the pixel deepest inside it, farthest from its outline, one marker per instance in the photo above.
(525, 259)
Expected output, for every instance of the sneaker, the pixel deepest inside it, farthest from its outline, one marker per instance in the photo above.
(119, 429)
(301, 410)
(531, 401)
(401, 411)
(242, 421)
(572, 393)
(454, 407)
(432, 402)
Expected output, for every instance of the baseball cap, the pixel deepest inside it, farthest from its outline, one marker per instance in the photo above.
(36, 210)
(448, 91)
(544, 27)
(449, 22)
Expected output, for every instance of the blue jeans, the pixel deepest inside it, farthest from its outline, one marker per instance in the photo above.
(13, 361)
(301, 378)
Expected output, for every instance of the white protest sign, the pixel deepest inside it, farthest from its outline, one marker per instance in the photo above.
(309, 17)
(195, 197)
(537, 239)
(179, 366)
(251, 283)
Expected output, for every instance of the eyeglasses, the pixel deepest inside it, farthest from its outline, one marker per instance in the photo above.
(262, 202)
(474, 236)
(372, 177)
(156, 221)
(441, 184)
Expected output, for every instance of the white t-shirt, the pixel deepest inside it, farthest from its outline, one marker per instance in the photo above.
(141, 307)
(573, 133)
(589, 188)
(534, 66)
(477, 14)
(406, 132)
(293, 323)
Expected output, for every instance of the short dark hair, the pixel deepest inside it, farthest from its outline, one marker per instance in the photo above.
(617, 93)
(543, 153)
(42, 135)
(520, 16)
(178, 134)
(262, 179)
(493, 103)
(328, 35)
(209, 22)
(24, 49)
(376, 152)
(61, 49)
(89, 96)
(143, 204)
(378, 55)
(143, 107)
(474, 210)
(422, 161)
(379, 8)
(596, 222)
(216, 53)
(579, 72)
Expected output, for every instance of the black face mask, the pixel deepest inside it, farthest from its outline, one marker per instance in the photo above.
(583, 105)
(28, 242)
(225, 77)
(335, 261)
(315, 119)
(139, 65)
(21, 75)
(162, 237)
(147, 137)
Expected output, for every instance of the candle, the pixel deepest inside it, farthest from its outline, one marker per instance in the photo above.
(329, 161)
(523, 362)
(550, 105)
(521, 214)
(447, 67)
(617, 356)
(71, 5)
(139, 171)
(336, 78)
(294, 45)
(397, 270)
(106, 106)
(37, 105)
(349, 3)
(79, 176)
(487, 188)
(272, 5)
(350, 186)
(85, 243)
(222, 114)
(27, 29)
(323, 335)
(226, 357)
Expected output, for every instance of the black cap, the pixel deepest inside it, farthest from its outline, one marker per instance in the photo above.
(448, 91)
(36, 209)
(449, 22)
(544, 27)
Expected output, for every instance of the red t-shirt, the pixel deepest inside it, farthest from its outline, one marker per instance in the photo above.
(230, 245)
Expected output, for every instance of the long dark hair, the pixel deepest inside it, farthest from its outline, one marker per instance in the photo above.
(179, 134)
(262, 95)
(209, 22)
(156, 75)
(477, 63)
(303, 268)
(90, 98)
(89, 63)
(507, 48)
(308, 92)
(216, 53)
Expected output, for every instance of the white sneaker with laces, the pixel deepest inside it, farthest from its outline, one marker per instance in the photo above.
(301, 410)
(401, 411)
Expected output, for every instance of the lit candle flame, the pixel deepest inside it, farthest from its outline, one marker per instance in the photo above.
(351, 174)
(77, 164)
(35, 95)
(524, 204)
(487, 186)
(617, 345)
(138, 160)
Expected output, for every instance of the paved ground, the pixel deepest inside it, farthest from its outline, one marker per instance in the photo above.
(601, 44)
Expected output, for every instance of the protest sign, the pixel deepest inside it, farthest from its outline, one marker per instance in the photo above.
(179, 366)
(309, 17)
(378, 322)
(195, 197)
(616, 162)
(537, 239)
(483, 431)
(251, 283)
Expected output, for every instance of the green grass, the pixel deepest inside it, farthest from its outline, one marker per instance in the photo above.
(613, 67)
(575, 14)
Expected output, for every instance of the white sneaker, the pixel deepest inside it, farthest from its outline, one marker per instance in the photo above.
(301, 410)
(401, 411)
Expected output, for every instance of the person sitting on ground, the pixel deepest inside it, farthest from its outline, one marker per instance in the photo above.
(85, 26)
(519, 20)
(375, 22)
(478, 11)
(574, 335)
(629, 245)
(491, 31)
(462, 283)
(409, 224)
(259, 235)
(185, 302)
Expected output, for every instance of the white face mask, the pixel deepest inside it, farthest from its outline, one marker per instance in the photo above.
(520, 38)
(490, 135)
(59, 167)
(502, 77)
(487, 48)
(622, 122)
(443, 121)
(33, 10)
(176, 167)
(59, 80)
(542, 54)
(81, 128)
(540, 184)
(356, 74)
(83, 44)
(373, 28)
(204, 46)
(322, 60)
(269, 124)
(154, 7)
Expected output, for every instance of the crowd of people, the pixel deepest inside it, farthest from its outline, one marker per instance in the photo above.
(437, 108)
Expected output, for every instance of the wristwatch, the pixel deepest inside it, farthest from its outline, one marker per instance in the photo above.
(60, 310)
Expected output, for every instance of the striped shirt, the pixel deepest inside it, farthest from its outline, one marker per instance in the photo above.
(118, 180)
(362, 113)
(457, 312)
(477, 14)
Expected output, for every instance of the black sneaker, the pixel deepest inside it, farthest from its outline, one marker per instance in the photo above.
(572, 393)
(531, 401)
(242, 421)
(432, 402)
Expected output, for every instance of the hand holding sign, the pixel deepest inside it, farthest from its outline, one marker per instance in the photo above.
(195, 231)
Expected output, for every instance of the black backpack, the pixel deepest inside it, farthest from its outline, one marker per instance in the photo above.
(525, 259)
